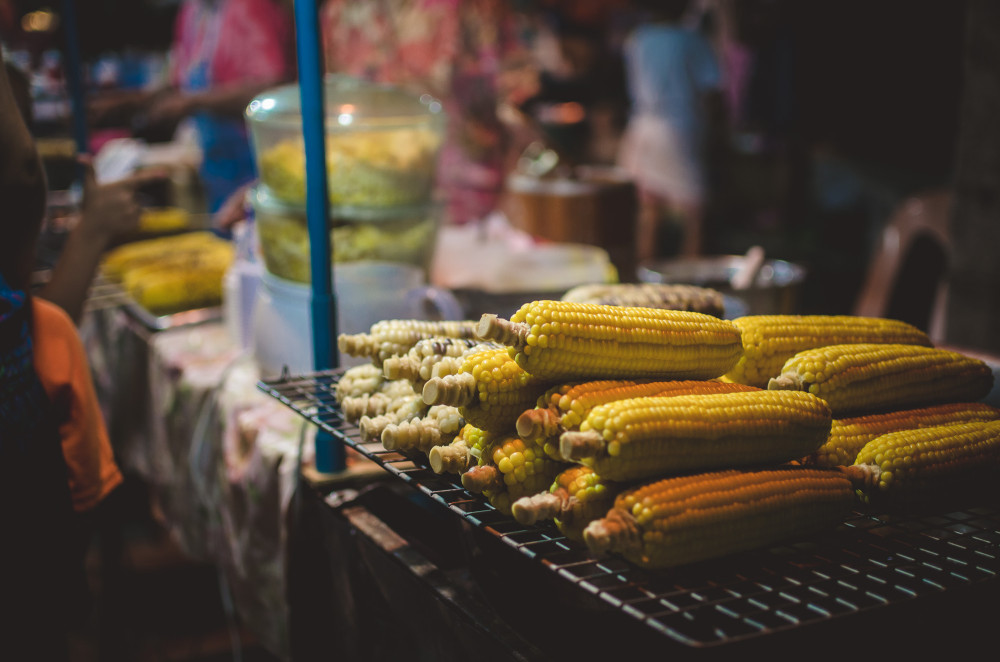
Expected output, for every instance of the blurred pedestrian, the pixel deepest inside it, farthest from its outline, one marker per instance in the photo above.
(674, 84)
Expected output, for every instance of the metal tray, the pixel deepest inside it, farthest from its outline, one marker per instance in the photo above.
(105, 293)
(853, 574)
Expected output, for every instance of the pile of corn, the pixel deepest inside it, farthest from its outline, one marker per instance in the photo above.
(671, 436)
(173, 273)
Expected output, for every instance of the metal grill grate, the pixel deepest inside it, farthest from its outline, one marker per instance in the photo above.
(869, 562)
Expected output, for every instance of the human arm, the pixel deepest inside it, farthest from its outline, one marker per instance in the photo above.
(109, 212)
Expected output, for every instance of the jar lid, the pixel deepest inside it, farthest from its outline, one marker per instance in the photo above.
(350, 103)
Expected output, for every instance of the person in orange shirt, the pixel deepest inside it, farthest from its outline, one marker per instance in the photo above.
(56, 462)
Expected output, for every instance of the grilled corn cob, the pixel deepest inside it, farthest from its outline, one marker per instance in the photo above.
(564, 407)
(645, 437)
(462, 453)
(173, 288)
(396, 337)
(858, 378)
(149, 251)
(576, 497)
(668, 296)
(849, 435)
(926, 463)
(403, 409)
(770, 340)
(490, 391)
(564, 341)
(511, 469)
(691, 518)
(438, 427)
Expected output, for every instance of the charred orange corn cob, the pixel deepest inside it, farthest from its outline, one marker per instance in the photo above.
(437, 427)
(396, 337)
(770, 340)
(462, 452)
(490, 390)
(692, 518)
(645, 437)
(576, 497)
(858, 378)
(849, 435)
(926, 463)
(563, 341)
(670, 296)
(565, 406)
(511, 469)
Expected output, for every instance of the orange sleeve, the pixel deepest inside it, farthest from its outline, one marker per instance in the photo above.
(63, 369)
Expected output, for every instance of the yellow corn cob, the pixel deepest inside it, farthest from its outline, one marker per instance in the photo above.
(490, 391)
(859, 378)
(564, 341)
(462, 453)
(358, 380)
(117, 260)
(849, 435)
(396, 337)
(172, 289)
(564, 407)
(418, 365)
(770, 340)
(669, 296)
(691, 518)
(438, 427)
(577, 496)
(164, 219)
(645, 437)
(927, 463)
(512, 469)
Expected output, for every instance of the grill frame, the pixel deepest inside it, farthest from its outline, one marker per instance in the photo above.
(872, 561)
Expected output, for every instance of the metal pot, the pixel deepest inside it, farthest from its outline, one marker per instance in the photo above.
(774, 290)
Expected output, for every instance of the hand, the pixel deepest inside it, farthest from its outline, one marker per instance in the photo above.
(233, 210)
(111, 210)
(169, 108)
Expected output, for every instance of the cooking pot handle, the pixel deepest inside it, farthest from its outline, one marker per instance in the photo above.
(435, 303)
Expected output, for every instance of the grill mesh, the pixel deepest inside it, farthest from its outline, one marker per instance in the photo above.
(869, 562)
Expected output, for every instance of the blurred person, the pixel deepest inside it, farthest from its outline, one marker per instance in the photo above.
(108, 213)
(469, 54)
(56, 463)
(674, 85)
(224, 53)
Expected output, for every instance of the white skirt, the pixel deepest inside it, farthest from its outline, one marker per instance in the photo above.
(654, 154)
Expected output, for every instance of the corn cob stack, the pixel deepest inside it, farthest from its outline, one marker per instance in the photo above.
(562, 341)
(490, 390)
(462, 453)
(690, 518)
(858, 378)
(438, 427)
(119, 260)
(849, 435)
(650, 295)
(770, 340)
(656, 436)
(357, 381)
(928, 463)
(390, 397)
(396, 337)
(432, 357)
(510, 468)
(576, 497)
(564, 407)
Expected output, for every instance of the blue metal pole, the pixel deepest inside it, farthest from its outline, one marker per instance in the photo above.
(329, 452)
(74, 77)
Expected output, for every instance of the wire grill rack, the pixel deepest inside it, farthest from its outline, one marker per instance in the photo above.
(869, 562)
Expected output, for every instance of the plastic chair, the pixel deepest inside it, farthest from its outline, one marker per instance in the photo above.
(907, 275)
